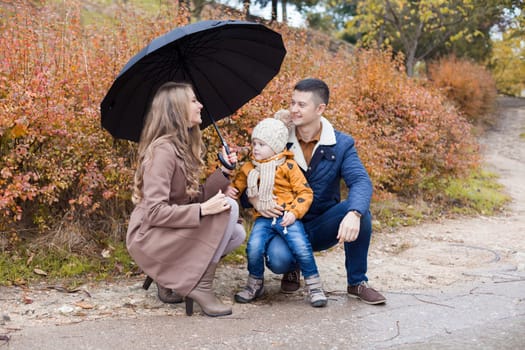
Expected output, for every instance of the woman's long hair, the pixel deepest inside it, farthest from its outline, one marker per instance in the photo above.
(168, 121)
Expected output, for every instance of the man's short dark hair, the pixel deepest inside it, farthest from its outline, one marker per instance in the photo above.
(316, 86)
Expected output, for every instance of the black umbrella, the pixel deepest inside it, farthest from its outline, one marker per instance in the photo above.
(227, 62)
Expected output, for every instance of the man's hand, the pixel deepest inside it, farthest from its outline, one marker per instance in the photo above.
(349, 227)
(267, 213)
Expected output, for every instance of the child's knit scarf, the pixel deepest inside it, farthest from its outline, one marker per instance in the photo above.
(264, 172)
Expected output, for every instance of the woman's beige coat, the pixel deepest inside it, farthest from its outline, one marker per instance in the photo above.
(167, 237)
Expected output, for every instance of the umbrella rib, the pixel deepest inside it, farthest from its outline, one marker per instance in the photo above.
(228, 68)
(239, 53)
(202, 45)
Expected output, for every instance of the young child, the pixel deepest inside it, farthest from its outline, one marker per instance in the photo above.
(275, 178)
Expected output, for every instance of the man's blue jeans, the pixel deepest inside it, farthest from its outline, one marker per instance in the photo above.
(322, 232)
(295, 241)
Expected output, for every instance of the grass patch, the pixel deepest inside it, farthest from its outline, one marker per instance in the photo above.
(479, 193)
(237, 257)
(395, 212)
(22, 265)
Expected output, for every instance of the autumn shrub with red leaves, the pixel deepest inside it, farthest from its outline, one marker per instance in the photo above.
(469, 84)
(411, 135)
(57, 164)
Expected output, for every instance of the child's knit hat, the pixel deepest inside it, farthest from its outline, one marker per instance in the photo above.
(273, 132)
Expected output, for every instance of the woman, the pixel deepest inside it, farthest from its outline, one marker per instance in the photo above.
(179, 229)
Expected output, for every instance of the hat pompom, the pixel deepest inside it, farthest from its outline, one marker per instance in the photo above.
(273, 132)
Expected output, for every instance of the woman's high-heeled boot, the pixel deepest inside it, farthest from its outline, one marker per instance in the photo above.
(204, 296)
(167, 295)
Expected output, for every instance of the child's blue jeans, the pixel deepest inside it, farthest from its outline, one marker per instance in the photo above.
(264, 229)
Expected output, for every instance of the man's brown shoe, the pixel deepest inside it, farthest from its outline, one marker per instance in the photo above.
(291, 281)
(366, 294)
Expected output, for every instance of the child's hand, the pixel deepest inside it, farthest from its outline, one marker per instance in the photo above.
(288, 219)
(267, 213)
(232, 192)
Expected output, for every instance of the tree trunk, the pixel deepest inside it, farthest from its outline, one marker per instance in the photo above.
(285, 13)
(186, 5)
(410, 62)
(274, 10)
(411, 43)
(381, 37)
(246, 8)
(197, 7)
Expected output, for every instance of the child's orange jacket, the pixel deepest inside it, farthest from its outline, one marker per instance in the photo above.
(291, 188)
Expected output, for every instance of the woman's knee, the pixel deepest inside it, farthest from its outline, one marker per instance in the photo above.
(239, 234)
(234, 208)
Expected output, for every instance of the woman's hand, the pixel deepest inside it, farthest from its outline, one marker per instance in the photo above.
(215, 205)
(230, 159)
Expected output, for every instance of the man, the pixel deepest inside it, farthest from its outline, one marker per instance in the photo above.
(326, 156)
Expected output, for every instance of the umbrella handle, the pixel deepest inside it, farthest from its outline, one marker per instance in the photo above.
(224, 144)
(223, 161)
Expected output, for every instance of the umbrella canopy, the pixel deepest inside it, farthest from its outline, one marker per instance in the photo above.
(227, 62)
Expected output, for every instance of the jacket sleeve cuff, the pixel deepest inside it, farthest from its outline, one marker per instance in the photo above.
(215, 182)
(356, 212)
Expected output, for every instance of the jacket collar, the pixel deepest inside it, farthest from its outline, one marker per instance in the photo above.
(327, 139)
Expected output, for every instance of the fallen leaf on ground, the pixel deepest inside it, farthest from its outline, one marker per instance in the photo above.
(40, 272)
(106, 253)
(20, 282)
(30, 259)
(84, 305)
